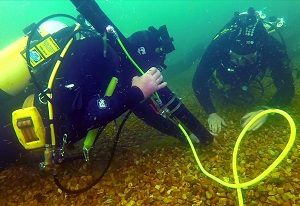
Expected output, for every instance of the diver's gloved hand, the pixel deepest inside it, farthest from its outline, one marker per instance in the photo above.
(247, 118)
(149, 82)
(215, 123)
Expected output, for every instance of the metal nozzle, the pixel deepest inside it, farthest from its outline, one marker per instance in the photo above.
(110, 29)
(47, 163)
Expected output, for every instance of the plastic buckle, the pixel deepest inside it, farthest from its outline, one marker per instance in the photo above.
(48, 158)
(42, 97)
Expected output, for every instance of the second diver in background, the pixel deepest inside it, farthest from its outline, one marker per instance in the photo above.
(238, 55)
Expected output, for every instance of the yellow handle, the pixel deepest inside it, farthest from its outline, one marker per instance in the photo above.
(111, 86)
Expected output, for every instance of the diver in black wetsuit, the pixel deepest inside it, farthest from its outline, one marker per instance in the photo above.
(238, 55)
(79, 89)
(78, 93)
(148, 49)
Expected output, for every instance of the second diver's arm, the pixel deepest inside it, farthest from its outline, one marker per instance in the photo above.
(281, 74)
(204, 73)
(209, 62)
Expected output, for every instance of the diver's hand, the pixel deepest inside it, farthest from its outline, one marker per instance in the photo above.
(149, 82)
(247, 118)
(215, 123)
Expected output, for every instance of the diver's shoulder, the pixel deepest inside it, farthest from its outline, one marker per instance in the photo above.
(87, 44)
(223, 34)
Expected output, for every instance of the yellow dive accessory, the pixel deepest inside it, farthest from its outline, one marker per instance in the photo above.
(27, 122)
(13, 66)
(91, 135)
(111, 86)
(28, 125)
(237, 185)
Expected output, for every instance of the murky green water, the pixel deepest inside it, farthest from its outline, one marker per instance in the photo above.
(192, 24)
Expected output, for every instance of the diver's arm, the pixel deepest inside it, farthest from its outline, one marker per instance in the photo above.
(204, 73)
(201, 89)
(102, 110)
(210, 60)
(282, 76)
(283, 80)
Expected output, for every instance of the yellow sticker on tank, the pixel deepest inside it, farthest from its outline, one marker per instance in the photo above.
(48, 47)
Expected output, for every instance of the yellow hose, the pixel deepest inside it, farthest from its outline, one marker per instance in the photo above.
(237, 185)
(133, 62)
(50, 84)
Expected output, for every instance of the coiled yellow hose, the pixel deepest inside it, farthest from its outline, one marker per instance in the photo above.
(237, 185)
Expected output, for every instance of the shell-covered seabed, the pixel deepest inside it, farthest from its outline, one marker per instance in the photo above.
(152, 169)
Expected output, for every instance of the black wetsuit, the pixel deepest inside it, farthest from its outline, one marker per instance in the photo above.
(98, 19)
(271, 55)
(80, 104)
(79, 97)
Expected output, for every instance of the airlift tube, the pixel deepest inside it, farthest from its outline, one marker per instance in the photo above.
(13, 69)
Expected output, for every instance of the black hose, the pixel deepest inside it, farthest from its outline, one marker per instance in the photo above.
(116, 140)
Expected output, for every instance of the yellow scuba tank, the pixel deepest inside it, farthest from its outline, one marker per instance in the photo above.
(13, 69)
